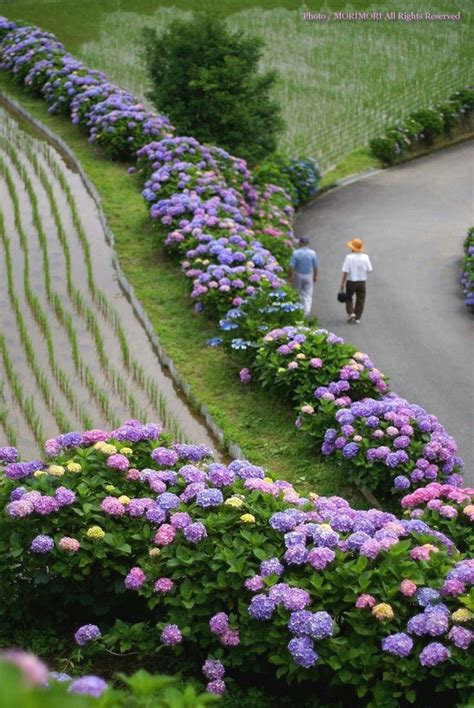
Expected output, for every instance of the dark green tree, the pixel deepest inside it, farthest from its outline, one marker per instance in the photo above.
(206, 79)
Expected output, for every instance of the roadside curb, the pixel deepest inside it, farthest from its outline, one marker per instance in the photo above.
(166, 361)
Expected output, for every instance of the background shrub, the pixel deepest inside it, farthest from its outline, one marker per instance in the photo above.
(207, 80)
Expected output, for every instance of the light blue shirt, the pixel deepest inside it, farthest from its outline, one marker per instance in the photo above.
(303, 260)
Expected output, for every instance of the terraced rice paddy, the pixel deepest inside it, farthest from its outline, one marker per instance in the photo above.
(73, 355)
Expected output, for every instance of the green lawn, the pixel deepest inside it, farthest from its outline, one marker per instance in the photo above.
(258, 423)
(341, 81)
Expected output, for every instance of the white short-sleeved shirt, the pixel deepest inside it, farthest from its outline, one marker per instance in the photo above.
(357, 265)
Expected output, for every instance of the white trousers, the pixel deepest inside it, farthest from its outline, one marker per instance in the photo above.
(304, 285)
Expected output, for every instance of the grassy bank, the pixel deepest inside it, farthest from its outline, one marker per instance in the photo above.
(262, 427)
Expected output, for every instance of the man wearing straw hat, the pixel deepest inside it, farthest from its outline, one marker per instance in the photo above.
(354, 276)
(304, 272)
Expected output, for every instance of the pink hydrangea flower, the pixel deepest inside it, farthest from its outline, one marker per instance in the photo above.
(408, 587)
(165, 535)
(364, 601)
(164, 585)
(71, 545)
(118, 462)
(135, 579)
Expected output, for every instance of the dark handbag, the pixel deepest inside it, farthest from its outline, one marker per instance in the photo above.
(341, 296)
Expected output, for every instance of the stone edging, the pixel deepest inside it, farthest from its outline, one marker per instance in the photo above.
(165, 360)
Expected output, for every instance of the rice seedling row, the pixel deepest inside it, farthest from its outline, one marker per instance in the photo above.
(39, 314)
(90, 360)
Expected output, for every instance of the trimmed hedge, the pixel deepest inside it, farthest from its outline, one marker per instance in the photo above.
(421, 128)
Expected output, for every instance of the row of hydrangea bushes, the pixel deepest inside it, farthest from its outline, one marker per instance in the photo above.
(422, 128)
(129, 543)
(467, 270)
(233, 236)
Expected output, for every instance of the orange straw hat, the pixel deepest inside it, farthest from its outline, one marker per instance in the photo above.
(356, 245)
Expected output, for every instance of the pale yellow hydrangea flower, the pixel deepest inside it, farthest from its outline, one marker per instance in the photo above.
(39, 473)
(109, 488)
(248, 518)
(234, 501)
(301, 356)
(126, 451)
(73, 467)
(124, 499)
(154, 552)
(105, 448)
(95, 532)
(56, 470)
(382, 611)
(461, 615)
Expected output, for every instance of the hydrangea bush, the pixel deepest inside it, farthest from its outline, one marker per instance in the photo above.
(446, 508)
(389, 442)
(467, 270)
(225, 568)
(298, 177)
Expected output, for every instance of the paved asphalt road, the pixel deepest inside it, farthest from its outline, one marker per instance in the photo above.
(413, 219)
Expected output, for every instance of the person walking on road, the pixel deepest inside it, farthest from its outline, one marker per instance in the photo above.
(304, 272)
(354, 278)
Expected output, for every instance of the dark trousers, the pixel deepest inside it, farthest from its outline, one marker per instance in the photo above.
(357, 288)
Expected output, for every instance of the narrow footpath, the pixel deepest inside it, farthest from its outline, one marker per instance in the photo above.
(413, 219)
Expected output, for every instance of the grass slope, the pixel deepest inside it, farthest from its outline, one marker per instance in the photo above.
(258, 423)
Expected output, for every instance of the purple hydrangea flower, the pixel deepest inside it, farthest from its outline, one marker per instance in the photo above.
(42, 544)
(461, 637)
(427, 596)
(65, 496)
(135, 579)
(216, 687)
(271, 566)
(87, 633)
(219, 623)
(164, 456)
(320, 556)
(8, 455)
(89, 686)
(296, 599)
(261, 607)
(302, 651)
(209, 498)
(433, 654)
(320, 625)
(296, 555)
(180, 520)
(167, 500)
(195, 532)
(213, 669)
(171, 635)
(256, 582)
(399, 644)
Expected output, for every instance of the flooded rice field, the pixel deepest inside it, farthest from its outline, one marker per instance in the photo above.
(73, 354)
